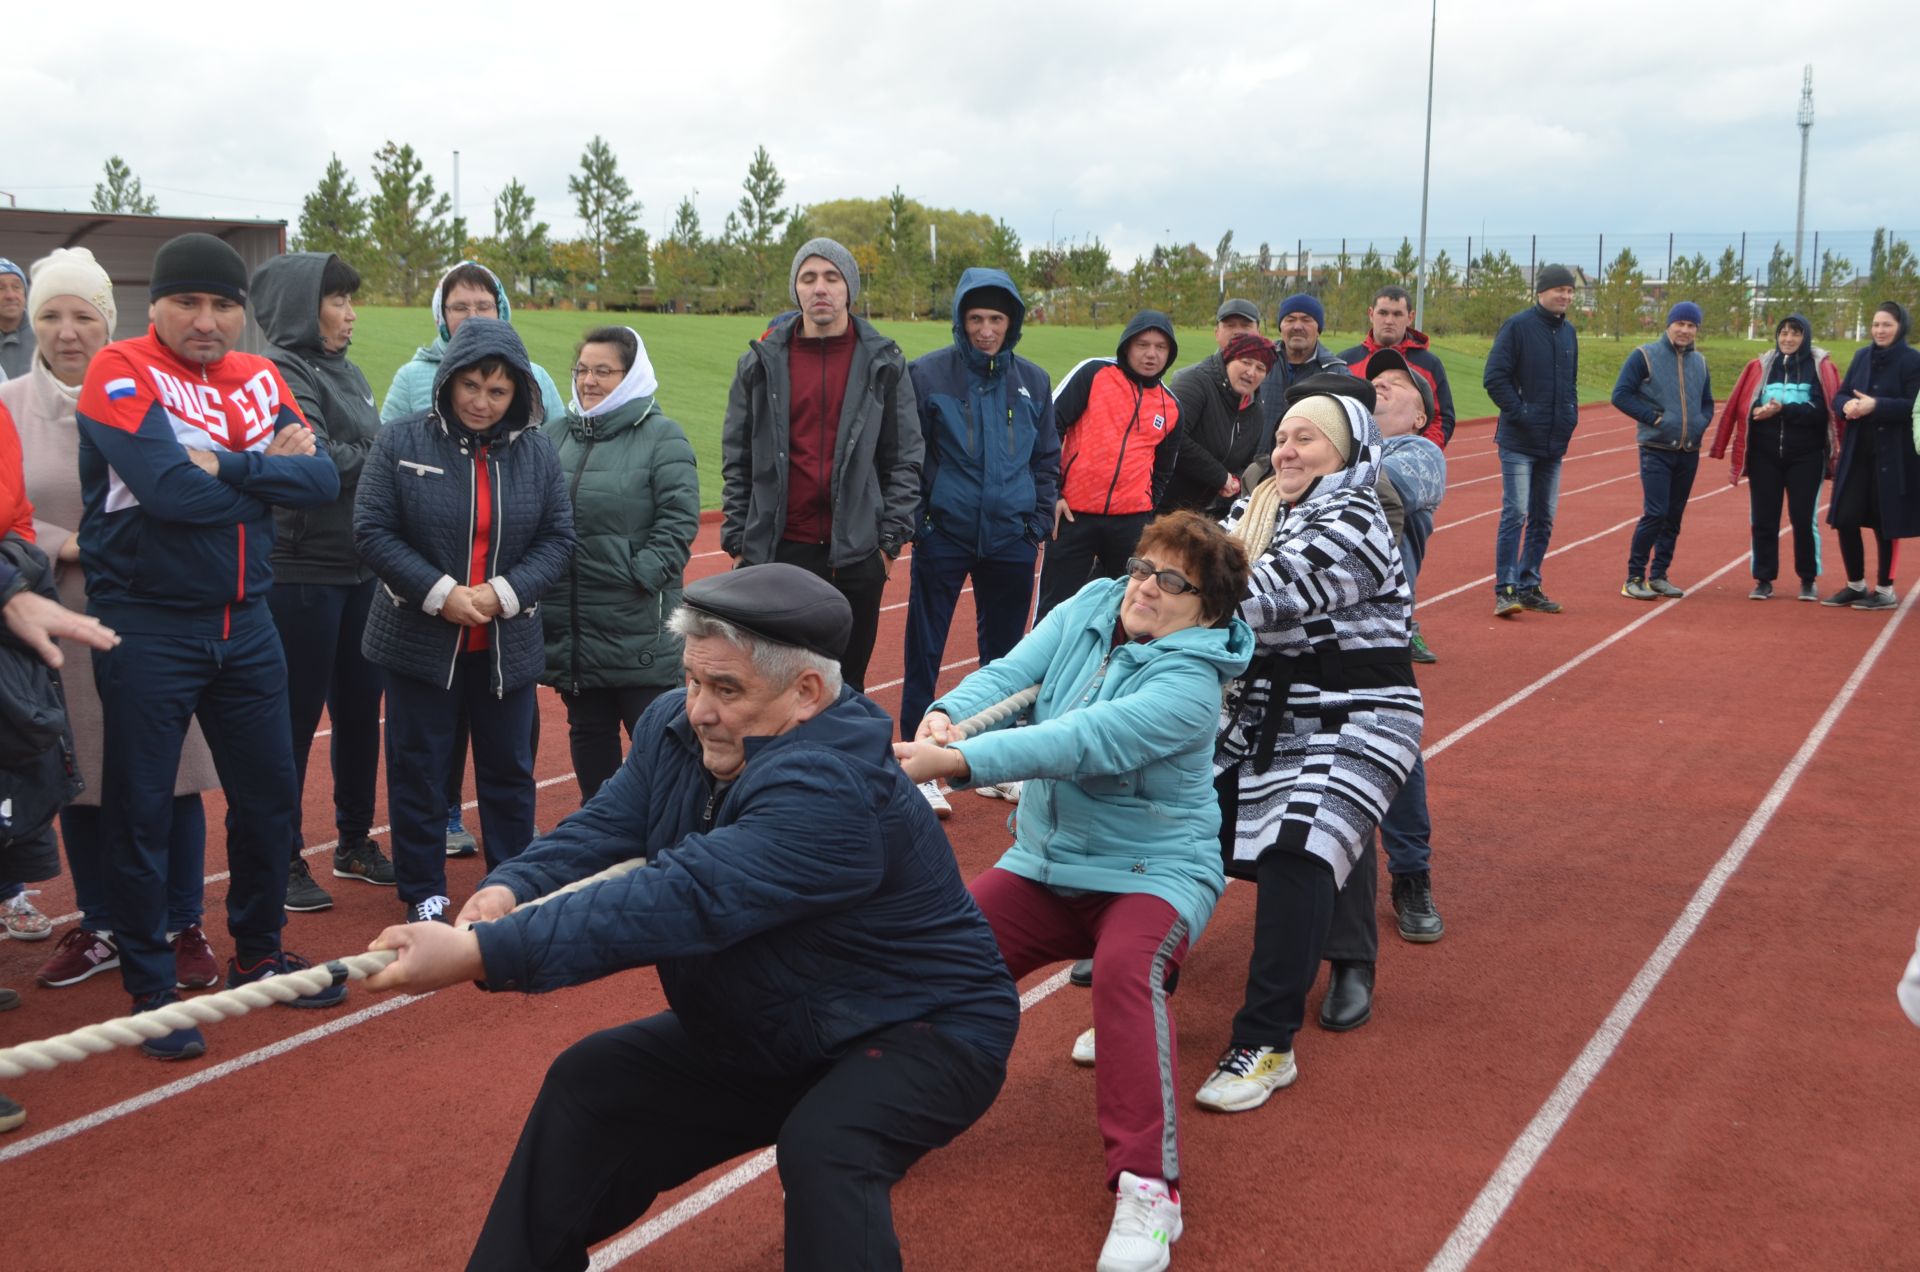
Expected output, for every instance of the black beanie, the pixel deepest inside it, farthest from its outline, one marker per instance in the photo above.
(198, 263)
(1551, 276)
(998, 299)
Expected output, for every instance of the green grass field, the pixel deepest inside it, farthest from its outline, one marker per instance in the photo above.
(694, 356)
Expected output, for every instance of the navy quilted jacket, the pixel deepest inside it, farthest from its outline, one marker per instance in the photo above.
(414, 516)
(810, 902)
(1531, 375)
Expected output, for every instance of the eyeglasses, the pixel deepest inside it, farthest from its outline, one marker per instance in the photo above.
(485, 309)
(597, 373)
(1170, 582)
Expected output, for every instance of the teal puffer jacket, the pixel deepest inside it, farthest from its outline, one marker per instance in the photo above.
(1119, 757)
(636, 507)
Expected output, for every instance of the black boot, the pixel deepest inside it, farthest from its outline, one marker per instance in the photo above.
(1082, 973)
(1413, 906)
(1349, 1000)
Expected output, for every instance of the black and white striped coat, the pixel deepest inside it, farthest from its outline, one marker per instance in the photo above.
(1329, 608)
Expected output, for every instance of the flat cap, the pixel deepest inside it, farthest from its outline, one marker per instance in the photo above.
(1238, 309)
(777, 602)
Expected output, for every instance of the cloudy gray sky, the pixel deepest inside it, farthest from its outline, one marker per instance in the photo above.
(1139, 123)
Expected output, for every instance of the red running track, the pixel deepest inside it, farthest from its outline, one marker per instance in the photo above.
(1602, 1065)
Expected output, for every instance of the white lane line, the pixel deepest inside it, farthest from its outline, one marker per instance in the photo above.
(1492, 449)
(1577, 543)
(694, 1205)
(1565, 494)
(1474, 481)
(1487, 1208)
(113, 1112)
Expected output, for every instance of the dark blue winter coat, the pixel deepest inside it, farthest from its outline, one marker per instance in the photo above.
(1531, 375)
(414, 516)
(991, 468)
(808, 903)
(1891, 377)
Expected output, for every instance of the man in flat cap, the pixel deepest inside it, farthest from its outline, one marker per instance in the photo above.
(831, 987)
(1531, 376)
(820, 447)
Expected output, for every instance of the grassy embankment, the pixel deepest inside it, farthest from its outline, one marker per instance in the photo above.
(694, 356)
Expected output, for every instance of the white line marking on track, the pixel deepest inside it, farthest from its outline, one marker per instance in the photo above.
(1479, 1221)
(1577, 490)
(113, 1112)
(1474, 481)
(694, 1205)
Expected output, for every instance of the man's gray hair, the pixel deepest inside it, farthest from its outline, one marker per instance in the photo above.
(779, 664)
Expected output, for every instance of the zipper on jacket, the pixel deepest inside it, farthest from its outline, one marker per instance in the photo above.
(1139, 399)
(573, 567)
(1680, 368)
(466, 550)
(493, 568)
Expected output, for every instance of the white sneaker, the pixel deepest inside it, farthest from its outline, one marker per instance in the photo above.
(1146, 1221)
(1245, 1077)
(1009, 791)
(936, 800)
(1083, 1050)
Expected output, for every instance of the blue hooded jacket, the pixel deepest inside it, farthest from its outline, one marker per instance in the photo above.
(1532, 375)
(992, 462)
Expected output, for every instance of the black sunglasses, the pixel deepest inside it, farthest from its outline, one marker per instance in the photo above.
(1170, 582)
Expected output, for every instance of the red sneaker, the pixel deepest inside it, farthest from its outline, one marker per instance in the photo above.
(79, 954)
(193, 963)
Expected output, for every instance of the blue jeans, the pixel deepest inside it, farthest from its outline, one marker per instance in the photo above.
(1529, 492)
(1415, 529)
(237, 688)
(1666, 483)
(1405, 830)
(1002, 590)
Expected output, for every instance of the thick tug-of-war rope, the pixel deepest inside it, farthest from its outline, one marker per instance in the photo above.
(207, 1009)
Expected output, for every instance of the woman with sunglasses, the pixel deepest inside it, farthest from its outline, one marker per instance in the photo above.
(1324, 727)
(1116, 850)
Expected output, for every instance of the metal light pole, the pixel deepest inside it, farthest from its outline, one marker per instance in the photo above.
(1806, 134)
(1426, 174)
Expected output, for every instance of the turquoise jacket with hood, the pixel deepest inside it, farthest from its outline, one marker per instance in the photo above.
(412, 388)
(1118, 758)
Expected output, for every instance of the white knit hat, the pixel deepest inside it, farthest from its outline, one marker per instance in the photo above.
(72, 271)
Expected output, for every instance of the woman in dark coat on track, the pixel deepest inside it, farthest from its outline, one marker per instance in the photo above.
(1876, 484)
(635, 491)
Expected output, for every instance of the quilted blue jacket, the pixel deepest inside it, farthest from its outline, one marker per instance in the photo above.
(806, 904)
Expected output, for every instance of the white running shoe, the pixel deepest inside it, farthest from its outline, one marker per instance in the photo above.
(1083, 1050)
(1009, 791)
(1146, 1221)
(1245, 1077)
(936, 800)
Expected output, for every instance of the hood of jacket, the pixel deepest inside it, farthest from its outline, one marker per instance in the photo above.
(973, 280)
(1364, 469)
(1146, 320)
(439, 344)
(477, 340)
(286, 301)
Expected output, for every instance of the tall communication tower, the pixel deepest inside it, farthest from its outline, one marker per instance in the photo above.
(1806, 134)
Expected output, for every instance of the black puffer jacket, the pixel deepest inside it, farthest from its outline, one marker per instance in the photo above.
(1219, 436)
(414, 520)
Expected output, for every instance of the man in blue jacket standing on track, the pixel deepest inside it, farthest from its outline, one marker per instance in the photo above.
(1664, 386)
(988, 479)
(1531, 376)
(832, 989)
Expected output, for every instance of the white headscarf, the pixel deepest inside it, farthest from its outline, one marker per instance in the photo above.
(639, 382)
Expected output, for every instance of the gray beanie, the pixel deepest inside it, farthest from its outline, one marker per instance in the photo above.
(827, 250)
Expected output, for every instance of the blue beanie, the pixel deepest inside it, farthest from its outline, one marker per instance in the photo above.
(8, 267)
(1303, 304)
(1685, 311)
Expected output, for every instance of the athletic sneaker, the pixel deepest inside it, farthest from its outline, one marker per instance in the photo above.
(1881, 598)
(1009, 791)
(278, 964)
(1808, 591)
(1506, 602)
(1146, 1220)
(194, 966)
(1665, 587)
(181, 1044)
(1539, 602)
(1846, 596)
(1762, 591)
(432, 910)
(362, 859)
(79, 955)
(1083, 1050)
(1636, 587)
(1414, 909)
(23, 920)
(1244, 1077)
(930, 790)
(304, 895)
(460, 841)
(1419, 650)
(12, 1116)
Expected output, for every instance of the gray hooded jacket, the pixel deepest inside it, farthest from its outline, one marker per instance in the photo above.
(315, 545)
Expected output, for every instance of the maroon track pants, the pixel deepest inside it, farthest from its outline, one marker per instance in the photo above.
(1135, 940)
